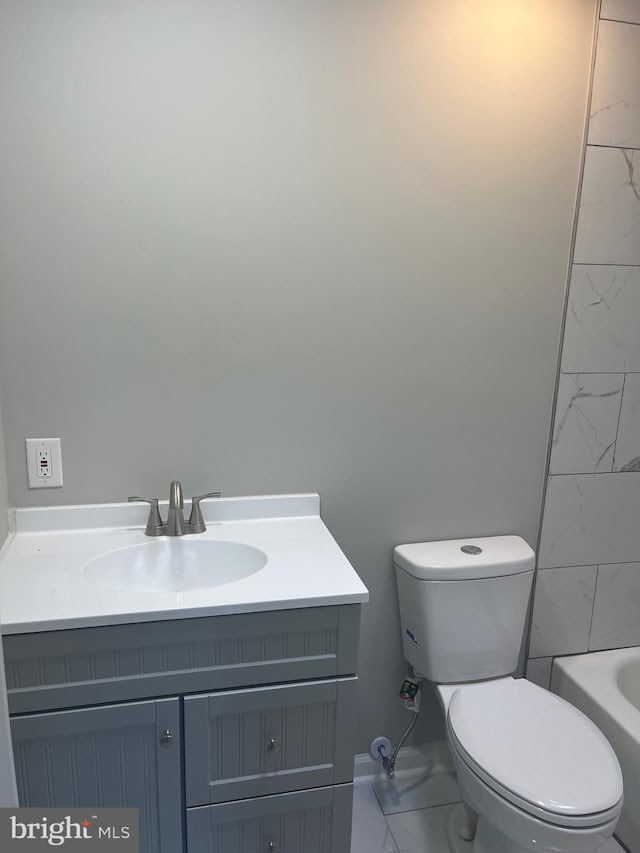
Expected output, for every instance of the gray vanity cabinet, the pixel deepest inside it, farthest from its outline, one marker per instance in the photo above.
(260, 708)
(111, 756)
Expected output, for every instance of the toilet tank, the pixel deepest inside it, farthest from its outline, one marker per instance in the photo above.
(463, 605)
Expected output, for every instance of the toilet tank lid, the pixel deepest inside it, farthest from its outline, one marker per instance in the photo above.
(465, 559)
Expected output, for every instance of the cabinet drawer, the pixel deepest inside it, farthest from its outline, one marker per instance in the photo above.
(249, 743)
(317, 821)
(91, 666)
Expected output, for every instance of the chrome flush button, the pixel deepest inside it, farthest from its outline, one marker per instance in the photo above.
(471, 549)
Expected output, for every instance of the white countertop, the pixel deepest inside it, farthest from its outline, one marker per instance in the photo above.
(43, 586)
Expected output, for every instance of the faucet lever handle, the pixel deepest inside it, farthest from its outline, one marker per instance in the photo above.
(196, 521)
(154, 522)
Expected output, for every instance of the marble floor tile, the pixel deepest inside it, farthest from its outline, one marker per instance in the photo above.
(421, 831)
(411, 790)
(369, 830)
(416, 831)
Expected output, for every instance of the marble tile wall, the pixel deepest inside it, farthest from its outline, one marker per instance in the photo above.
(615, 101)
(621, 10)
(587, 593)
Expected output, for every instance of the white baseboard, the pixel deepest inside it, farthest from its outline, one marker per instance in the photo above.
(434, 755)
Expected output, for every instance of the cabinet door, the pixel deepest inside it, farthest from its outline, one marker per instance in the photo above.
(267, 740)
(112, 756)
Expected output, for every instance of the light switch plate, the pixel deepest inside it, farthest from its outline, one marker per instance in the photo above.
(44, 463)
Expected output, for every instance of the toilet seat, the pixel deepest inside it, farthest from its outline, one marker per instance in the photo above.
(535, 750)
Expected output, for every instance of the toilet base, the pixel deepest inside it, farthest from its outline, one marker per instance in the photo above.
(489, 840)
(457, 843)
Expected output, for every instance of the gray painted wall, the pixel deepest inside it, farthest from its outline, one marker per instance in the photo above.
(588, 586)
(8, 794)
(3, 488)
(284, 246)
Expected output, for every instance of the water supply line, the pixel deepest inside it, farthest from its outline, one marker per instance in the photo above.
(413, 705)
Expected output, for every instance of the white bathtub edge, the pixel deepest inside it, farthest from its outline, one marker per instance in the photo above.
(590, 683)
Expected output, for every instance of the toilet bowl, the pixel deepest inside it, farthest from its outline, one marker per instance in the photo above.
(535, 774)
(539, 774)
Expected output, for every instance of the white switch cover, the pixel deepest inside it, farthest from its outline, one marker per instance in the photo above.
(44, 463)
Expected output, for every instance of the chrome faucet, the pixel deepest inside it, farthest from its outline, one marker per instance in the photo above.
(176, 525)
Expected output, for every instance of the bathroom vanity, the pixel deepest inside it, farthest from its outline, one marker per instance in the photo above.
(231, 729)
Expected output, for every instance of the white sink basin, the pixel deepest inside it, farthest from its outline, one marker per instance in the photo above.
(174, 565)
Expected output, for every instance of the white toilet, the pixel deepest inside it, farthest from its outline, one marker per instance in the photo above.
(535, 774)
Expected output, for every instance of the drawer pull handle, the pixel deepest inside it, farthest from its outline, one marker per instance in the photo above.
(273, 746)
(166, 738)
(272, 847)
